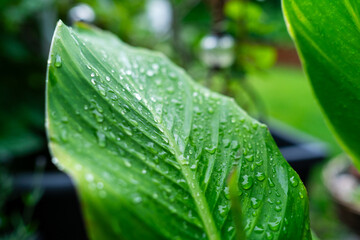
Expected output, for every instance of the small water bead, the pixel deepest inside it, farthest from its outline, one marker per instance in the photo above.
(227, 192)
(127, 163)
(271, 183)
(249, 157)
(101, 139)
(93, 81)
(269, 236)
(246, 182)
(92, 74)
(275, 225)
(98, 116)
(278, 208)
(294, 182)
(255, 203)
(259, 229)
(260, 176)
(234, 145)
(137, 199)
(58, 61)
(64, 135)
(170, 89)
(65, 119)
(223, 209)
(149, 73)
(102, 90)
(301, 195)
(155, 66)
(211, 150)
(226, 143)
(107, 78)
(138, 97)
(172, 75)
(252, 167)
(259, 163)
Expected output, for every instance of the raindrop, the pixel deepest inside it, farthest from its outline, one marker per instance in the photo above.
(274, 226)
(149, 73)
(247, 182)
(98, 116)
(260, 176)
(172, 75)
(102, 90)
(278, 208)
(64, 135)
(223, 210)
(294, 182)
(301, 195)
(249, 157)
(210, 150)
(138, 97)
(269, 236)
(227, 192)
(155, 66)
(226, 143)
(137, 199)
(58, 61)
(271, 183)
(255, 203)
(258, 229)
(101, 139)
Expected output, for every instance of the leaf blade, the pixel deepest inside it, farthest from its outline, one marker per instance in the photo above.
(327, 36)
(127, 124)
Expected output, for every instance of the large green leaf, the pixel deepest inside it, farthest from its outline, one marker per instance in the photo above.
(327, 36)
(150, 150)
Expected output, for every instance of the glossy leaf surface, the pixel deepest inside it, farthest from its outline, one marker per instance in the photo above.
(150, 150)
(327, 36)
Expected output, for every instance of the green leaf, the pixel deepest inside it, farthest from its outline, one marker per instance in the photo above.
(150, 150)
(327, 36)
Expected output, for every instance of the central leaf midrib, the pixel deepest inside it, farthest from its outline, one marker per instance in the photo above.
(195, 190)
(197, 194)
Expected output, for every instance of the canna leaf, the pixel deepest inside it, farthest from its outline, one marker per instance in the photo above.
(327, 36)
(150, 150)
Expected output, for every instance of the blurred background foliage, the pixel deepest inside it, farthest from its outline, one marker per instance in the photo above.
(259, 68)
(174, 27)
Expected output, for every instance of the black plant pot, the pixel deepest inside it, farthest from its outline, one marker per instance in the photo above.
(342, 180)
(58, 212)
